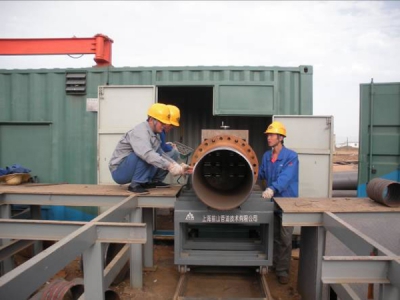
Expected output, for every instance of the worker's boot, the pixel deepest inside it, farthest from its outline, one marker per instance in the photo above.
(283, 279)
(137, 189)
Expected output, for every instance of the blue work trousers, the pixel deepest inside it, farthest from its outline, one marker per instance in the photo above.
(135, 171)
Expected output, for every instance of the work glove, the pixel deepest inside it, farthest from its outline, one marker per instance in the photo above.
(187, 169)
(268, 193)
(176, 169)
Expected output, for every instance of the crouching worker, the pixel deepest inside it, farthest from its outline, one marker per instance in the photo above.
(137, 158)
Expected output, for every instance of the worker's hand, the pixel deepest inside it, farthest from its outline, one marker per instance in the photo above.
(187, 169)
(268, 193)
(172, 145)
(176, 169)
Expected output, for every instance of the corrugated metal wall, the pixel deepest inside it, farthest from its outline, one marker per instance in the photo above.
(379, 152)
(52, 133)
(37, 99)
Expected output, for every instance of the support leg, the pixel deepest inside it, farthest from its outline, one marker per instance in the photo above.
(136, 256)
(93, 265)
(148, 247)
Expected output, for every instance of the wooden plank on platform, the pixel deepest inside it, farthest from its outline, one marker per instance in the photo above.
(85, 189)
(336, 205)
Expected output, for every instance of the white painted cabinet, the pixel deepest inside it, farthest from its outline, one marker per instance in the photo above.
(120, 109)
(312, 138)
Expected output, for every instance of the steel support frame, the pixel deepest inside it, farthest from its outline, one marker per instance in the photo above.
(75, 238)
(340, 271)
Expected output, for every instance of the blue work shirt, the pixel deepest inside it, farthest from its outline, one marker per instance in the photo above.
(166, 147)
(282, 176)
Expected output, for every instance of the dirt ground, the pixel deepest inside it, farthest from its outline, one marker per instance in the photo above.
(345, 159)
(161, 283)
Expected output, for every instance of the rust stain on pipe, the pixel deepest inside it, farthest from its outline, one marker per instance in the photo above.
(384, 191)
(225, 171)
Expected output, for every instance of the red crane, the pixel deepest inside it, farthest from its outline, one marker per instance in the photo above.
(99, 45)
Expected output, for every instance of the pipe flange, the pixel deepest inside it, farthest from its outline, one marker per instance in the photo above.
(229, 141)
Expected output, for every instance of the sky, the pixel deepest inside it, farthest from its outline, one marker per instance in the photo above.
(347, 43)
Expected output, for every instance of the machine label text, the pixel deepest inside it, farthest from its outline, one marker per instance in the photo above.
(230, 219)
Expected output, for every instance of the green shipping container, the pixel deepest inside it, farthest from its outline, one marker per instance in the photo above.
(46, 127)
(379, 152)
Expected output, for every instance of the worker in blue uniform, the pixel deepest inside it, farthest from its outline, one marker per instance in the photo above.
(280, 170)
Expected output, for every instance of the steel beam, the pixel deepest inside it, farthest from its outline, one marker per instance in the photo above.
(136, 255)
(37, 230)
(302, 219)
(354, 239)
(148, 254)
(76, 238)
(354, 269)
(312, 248)
(156, 202)
(85, 200)
(56, 230)
(7, 264)
(112, 270)
(93, 264)
(13, 247)
(124, 233)
(33, 273)
(64, 200)
(119, 211)
(345, 292)
(388, 292)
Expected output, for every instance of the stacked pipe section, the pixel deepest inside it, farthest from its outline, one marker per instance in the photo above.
(345, 184)
(386, 192)
(225, 171)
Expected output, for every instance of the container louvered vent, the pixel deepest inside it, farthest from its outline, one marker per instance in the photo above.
(75, 83)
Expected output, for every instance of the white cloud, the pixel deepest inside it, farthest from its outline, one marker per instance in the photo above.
(348, 43)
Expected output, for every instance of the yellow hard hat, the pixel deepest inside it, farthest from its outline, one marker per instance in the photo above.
(160, 112)
(175, 114)
(276, 128)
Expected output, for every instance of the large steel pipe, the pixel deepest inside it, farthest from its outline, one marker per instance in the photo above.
(225, 171)
(344, 193)
(384, 191)
(346, 180)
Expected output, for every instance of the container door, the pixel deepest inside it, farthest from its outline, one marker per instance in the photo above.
(379, 152)
(120, 109)
(312, 138)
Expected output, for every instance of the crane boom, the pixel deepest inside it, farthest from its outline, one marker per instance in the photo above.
(99, 45)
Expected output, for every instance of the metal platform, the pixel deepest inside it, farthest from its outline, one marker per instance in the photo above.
(342, 250)
(128, 220)
(359, 224)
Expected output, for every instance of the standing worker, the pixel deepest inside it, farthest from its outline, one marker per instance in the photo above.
(138, 158)
(280, 169)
